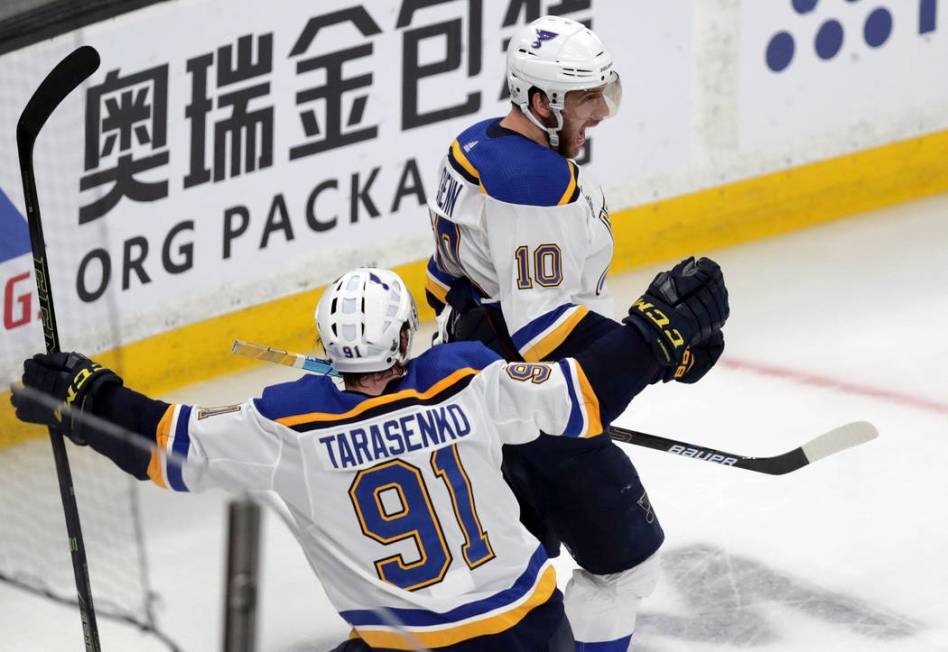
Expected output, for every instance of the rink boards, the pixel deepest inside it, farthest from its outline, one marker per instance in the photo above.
(737, 124)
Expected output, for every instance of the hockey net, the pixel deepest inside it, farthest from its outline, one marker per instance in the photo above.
(34, 549)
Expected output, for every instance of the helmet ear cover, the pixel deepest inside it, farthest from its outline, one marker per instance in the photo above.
(360, 318)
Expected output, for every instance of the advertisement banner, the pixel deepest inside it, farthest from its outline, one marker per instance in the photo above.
(820, 79)
(21, 324)
(229, 153)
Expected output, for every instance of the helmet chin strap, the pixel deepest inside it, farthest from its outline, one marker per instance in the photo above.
(553, 133)
(403, 357)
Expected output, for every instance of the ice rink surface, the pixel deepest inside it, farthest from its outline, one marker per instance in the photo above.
(839, 323)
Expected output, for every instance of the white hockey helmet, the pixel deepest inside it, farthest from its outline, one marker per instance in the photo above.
(359, 319)
(558, 55)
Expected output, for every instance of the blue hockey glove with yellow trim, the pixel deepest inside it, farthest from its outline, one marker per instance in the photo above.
(682, 307)
(69, 378)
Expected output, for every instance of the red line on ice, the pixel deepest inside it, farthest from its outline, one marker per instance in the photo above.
(839, 385)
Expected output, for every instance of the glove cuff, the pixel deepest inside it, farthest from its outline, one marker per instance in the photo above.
(678, 372)
(83, 392)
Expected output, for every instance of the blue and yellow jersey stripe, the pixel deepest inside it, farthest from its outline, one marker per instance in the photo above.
(438, 282)
(543, 335)
(584, 420)
(572, 186)
(463, 166)
(368, 408)
(484, 617)
(171, 436)
(312, 401)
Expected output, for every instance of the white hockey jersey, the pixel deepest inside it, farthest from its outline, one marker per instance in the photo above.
(398, 500)
(527, 229)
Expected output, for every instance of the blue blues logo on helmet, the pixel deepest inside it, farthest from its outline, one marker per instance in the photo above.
(376, 279)
(543, 35)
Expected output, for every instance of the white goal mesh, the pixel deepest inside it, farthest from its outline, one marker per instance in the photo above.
(34, 549)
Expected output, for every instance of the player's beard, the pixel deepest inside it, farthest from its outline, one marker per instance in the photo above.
(568, 146)
(573, 138)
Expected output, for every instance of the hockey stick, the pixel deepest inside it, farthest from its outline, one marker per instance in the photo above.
(66, 76)
(829, 443)
(276, 356)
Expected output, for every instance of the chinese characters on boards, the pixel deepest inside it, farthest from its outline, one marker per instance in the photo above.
(230, 116)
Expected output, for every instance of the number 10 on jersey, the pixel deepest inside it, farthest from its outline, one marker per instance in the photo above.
(544, 266)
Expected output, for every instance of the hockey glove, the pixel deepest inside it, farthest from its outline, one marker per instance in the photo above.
(697, 361)
(681, 307)
(70, 378)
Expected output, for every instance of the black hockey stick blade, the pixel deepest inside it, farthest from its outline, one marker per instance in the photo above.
(829, 443)
(60, 82)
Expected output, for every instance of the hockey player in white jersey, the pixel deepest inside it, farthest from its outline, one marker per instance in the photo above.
(523, 244)
(394, 481)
